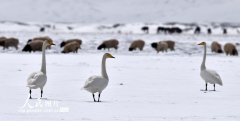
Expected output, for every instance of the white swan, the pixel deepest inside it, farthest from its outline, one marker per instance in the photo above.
(39, 79)
(210, 76)
(98, 83)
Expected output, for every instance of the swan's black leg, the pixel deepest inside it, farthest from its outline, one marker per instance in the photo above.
(30, 91)
(41, 93)
(93, 97)
(214, 87)
(206, 87)
(99, 97)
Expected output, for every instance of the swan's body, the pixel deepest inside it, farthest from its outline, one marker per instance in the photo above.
(98, 83)
(210, 76)
(39, 79)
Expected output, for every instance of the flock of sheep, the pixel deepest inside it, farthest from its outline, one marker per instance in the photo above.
(229, 48)
(72, 45)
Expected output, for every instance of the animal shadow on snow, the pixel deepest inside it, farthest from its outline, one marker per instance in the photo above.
(208, 91)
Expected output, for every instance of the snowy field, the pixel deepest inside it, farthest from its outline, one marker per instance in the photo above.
(143, 86)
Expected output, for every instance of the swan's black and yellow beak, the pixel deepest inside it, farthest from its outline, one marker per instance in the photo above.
(109, 55)
(202, 43)
(50, 42)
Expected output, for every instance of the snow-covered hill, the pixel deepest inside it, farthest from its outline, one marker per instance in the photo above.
(127, 11)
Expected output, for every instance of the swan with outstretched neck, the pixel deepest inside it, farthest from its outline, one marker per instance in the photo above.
(39, 79)
(210, 76)
(96, 84)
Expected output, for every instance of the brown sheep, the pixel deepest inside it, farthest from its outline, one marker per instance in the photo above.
(41, 38)
(160, 46)
(171, 44)
(2, 37)
(230, 49)
(34, 46)
(71, 47)
(71, 40)
(216, 47)
(9, 42)
(112, 43)
(137, 44)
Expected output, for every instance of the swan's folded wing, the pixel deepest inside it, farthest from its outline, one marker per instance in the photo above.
(35, 78)
(213, 75)
(92, 81)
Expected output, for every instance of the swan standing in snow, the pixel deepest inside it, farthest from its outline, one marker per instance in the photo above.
(39, 79)
(210, 76)
(98, 83)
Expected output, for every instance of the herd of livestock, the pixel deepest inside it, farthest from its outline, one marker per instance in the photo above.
(178, 30)
(73, 45)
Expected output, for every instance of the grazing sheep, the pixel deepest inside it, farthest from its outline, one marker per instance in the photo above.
(216, 47)
(209, 31)
(112, 43)
(42, 38)
(224, 31)
(9, 42)
(137, 44)
(2, 38)
(35, 45)
(230, 49)
(171, 44)
(42, 29)
(145, 29)
(69, 41)
(160, 46)
(197, 30)
(169, 30)
(71, 47)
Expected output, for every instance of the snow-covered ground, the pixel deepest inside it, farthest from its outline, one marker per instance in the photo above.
(153, 87)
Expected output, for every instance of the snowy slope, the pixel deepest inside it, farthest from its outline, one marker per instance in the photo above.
(124, 11)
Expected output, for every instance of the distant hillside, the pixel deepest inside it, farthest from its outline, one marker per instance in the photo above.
(127, 11)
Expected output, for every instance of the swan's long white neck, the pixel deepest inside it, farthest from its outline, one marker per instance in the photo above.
(104, 72)
(204, 58)
(43, 68)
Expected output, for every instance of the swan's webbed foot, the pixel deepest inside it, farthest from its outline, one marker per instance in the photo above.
(93, 97)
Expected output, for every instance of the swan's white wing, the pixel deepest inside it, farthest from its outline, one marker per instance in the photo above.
(95, 84)
(211, 76)
(36, 80)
